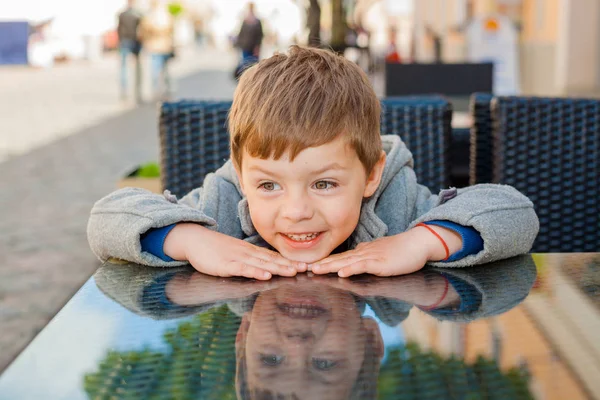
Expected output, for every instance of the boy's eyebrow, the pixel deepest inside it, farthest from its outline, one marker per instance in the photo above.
(331, 166)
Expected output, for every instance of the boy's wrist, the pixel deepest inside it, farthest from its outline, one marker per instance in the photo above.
(435, 247)
(180, 238)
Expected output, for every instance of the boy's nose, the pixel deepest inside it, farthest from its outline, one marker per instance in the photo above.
(297, 208)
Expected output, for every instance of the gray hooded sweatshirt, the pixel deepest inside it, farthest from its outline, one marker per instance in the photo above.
(504, 218)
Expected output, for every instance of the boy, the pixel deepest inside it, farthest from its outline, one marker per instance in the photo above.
(309, 176)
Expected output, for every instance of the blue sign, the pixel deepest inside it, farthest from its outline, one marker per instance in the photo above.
(14, 36)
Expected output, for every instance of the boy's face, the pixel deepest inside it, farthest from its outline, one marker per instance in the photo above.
(306, 339)
(307, 207)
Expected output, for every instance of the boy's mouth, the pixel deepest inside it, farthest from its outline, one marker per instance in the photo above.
(301, 311)
(302, 241)
(302, 237)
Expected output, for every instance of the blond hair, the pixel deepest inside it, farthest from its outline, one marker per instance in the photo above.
(306, 98)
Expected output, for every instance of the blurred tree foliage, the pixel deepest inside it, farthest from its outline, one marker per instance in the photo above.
(199, 365)
(410, 373)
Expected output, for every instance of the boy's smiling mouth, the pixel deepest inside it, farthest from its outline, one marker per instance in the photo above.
(302, 237)
(302, 240)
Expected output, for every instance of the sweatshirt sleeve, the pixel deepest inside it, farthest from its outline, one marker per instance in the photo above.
(504, 218)
(118, 221)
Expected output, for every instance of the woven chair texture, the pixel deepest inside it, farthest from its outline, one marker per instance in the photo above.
(480, 163)
(549, 149)
(424, 124)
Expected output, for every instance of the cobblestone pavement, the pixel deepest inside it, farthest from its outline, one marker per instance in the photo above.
(78, 140)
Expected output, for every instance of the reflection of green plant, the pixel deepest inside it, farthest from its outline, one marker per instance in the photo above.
(148, 170)
(411, 373)
(200, 364)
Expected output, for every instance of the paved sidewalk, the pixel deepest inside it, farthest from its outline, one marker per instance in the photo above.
(37, 106)
(77, 140)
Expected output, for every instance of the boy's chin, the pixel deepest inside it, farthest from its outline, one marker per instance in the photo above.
(300, 256)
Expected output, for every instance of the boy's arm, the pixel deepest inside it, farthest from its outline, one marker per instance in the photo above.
(504, 218)
(119, 220)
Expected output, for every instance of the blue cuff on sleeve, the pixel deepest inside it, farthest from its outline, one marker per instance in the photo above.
(154, 240)
(472, 241)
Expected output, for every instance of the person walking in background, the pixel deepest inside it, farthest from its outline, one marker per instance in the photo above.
(249, 40)
(436, 40)
(129, 44)
(156, 33)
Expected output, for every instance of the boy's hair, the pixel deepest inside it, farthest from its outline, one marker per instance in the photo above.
(306, 98)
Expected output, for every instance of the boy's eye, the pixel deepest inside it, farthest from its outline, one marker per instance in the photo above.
(325, 185)
(269, 186)
(323, 365)
(271, 359)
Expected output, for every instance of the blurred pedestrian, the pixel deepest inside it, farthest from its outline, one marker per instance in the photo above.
(249, 39)
(313, 23)
(392, 56)
(436, 40)
(156, 33)
(129, 44)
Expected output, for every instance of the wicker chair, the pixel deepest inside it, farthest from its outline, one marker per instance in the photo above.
(480, 164)
(549, 149)
(424, 124)
(194, 139)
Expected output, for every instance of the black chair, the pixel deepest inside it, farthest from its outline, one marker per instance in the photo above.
(424, 124)
(480, 158)
(549, 149)
(195, 141)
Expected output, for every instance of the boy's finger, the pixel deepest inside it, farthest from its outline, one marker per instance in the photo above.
(272, 267)
(351, 254)
(333, 266)
(365, 266)
(273, 257)
(250, 271)
(357, 268)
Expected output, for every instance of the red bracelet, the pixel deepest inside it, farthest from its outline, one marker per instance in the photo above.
(437, 235)
(437, 303)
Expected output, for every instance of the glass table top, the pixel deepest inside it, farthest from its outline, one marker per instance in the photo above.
(521, 328)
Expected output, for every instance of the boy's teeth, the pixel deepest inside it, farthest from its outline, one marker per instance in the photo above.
(302, 238)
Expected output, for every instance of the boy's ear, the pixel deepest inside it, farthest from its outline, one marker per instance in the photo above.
(374, 334)
(375, 176)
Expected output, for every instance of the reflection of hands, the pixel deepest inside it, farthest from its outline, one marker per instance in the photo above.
(420, 288)
(217, 254)
(199, 288)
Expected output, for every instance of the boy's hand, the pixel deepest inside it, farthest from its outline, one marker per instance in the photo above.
(392, 255)
(216, 254)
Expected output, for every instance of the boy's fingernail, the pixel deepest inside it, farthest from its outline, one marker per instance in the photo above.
(302, 266)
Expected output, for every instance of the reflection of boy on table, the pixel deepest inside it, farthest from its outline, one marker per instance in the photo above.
(307, 335)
